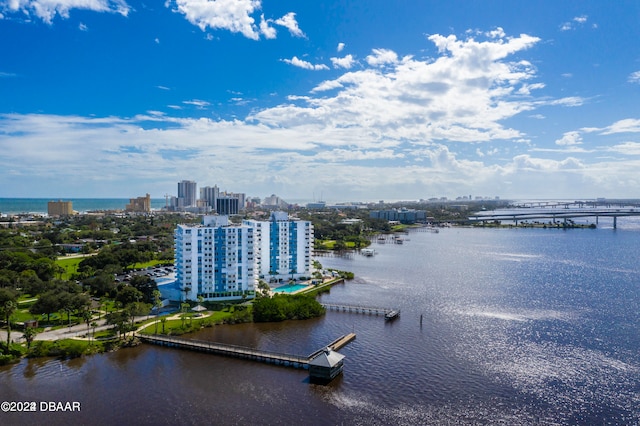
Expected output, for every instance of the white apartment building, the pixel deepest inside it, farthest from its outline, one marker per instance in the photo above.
(215, 260)
(283, 247)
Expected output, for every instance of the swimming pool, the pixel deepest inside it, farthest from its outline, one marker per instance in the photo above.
(290, 288)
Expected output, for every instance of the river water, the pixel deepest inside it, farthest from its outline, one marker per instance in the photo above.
(519, 326)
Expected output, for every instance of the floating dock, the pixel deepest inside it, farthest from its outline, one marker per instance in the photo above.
(391, 315)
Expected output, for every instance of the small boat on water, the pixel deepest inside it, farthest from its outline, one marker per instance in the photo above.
(391, 315)
(399, 240)
(368, 252)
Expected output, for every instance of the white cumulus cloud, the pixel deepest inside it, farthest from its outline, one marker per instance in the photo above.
(346, 62)
(634, 77)
(575, 22)
(47, 10)
(289, 22)
(382, 57)
(231, 15)
(304, 64)
(570, 139)
(626, 125)
(266, 30)
(235, 16)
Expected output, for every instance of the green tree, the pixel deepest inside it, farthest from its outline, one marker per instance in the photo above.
(101, 284)
(137, 309)
(9, 308)
(46, 304)
(157, 304)
(120, 321)
(29, 334)
(184, 307)
(94, 325)
(127, 295)
(145, 285)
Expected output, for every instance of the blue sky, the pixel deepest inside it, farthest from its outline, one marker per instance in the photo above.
(354, 100)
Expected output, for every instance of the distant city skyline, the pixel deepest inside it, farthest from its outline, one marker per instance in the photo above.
(351, 101)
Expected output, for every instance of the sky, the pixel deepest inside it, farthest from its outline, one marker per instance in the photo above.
(334, 100)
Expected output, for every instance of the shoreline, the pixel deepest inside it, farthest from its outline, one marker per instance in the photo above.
(82, 334)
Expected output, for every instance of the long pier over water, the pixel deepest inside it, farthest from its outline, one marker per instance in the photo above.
(242, 352)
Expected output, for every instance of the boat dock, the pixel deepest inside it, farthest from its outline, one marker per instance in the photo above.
(370, 310)
(336, 345)
(242, 352)
(343, 341)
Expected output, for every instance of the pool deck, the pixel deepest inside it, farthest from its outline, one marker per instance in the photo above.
(284, 289)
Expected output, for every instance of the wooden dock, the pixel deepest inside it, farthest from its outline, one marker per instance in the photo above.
(370, 310)
(336, 345)
(242, 352)
(343, 341)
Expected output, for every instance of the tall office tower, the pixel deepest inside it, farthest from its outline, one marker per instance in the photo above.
(210, 194)
(283, 247)
(187, 193)
(215, 260)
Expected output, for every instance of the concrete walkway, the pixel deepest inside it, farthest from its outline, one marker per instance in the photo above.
(79, 331)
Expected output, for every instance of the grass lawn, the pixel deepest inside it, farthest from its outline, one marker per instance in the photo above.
(330, 244)
(22, 315)
(152, 263)
(70, 265)
(174, 326)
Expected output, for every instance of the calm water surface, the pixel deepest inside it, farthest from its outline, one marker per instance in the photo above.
(519, 327)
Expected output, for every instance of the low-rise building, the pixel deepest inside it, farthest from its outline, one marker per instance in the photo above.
(400, 215)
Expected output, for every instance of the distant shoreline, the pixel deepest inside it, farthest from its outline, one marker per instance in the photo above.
(12, 206)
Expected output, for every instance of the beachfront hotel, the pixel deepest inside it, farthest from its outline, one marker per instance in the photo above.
(139, 204)
(283, 247)
(215, 260)
(60, 208)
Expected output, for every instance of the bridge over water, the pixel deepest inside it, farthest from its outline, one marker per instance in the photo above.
(521, 215)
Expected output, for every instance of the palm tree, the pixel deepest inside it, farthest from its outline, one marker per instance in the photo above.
(94, 325)
(86, 316)
(29, 334)
(9, 308)
(157, 303)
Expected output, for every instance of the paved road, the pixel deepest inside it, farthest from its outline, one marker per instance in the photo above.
(75, 331)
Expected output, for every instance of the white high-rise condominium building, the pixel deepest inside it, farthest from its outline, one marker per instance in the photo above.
(215, 260)
(283, 247)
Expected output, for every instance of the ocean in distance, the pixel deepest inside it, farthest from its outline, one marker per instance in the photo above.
(520, 327)
(39, 205)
